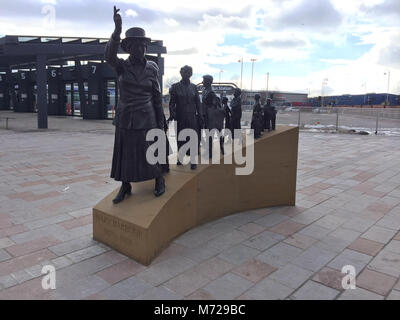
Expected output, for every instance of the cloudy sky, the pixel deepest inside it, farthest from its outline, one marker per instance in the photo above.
(351, 43)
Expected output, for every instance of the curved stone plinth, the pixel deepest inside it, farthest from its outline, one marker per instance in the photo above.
(142, 226)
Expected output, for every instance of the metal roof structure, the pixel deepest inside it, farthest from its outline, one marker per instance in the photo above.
(22, 51)
(37, 52)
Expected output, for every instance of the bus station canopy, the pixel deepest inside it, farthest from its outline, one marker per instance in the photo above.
(35, 52)
(22, 51)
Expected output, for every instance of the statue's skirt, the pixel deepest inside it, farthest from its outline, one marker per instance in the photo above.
(129, 162)
(187, 121)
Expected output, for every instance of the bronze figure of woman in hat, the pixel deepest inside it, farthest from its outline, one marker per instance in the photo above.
(236, 107)
(185, 107)
(215, 113)
(139, 110)
(257, 118)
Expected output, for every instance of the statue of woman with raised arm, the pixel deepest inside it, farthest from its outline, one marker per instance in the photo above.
(139, 110)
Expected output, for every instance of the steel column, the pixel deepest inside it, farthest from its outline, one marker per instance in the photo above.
(41, 91)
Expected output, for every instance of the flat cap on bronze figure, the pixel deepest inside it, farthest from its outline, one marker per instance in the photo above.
(139, 91)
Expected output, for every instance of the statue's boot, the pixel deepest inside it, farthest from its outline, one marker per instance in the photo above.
(193, 166)
(221, 144)
(210, 147)
(165, 168)
(126, 190)
(160, 186)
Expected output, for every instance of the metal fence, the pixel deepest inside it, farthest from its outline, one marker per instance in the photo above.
(372, 121)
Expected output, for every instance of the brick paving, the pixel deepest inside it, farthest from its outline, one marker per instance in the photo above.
(347, 213)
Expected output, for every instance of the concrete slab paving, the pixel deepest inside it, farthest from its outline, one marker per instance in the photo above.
(347, 213)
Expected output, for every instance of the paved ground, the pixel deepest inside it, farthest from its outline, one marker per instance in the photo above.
(347, 213)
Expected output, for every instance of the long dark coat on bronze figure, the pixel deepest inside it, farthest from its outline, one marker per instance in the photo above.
(186, 107)
(214, 110)
(139, 110)
(257, 120)
(236, 108)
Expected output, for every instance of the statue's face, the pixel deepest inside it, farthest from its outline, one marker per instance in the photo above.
(207, 82)
(137, 48)
(186, 73)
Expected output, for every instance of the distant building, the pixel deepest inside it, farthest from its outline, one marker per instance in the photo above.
(368, 99)
(279, 98)
(224, 89)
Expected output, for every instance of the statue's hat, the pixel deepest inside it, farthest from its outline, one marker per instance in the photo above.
(207, 76)
(132, 34)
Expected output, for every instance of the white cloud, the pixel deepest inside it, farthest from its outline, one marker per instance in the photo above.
(310, 15)
(221, 22)
(131, 13)
(171, 22)
(53, 2)
(194, 34)
(337, 61)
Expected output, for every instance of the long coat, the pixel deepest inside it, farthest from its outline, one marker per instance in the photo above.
(185, 107)
(236, 108)
(267, 115)
(257, 120)
(139, 110)
(228, 116)
(215, 110)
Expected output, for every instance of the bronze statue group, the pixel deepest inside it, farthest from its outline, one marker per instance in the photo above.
(210, 113)
(264, 118)
(140, 110)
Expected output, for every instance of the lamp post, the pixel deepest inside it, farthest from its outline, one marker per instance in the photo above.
(220, 71)
(252, 72)
(388, 87)
(364, 85)
(241, 73)
(267, 83)
(324, 83)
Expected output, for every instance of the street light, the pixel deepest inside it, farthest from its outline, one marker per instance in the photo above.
(241, 73)
(267, 83)
(324, 83)
(364, 85)
(220, 71)
(388, 87)
(252, 72)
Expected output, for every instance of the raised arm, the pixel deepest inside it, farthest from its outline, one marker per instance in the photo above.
(113, 44)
